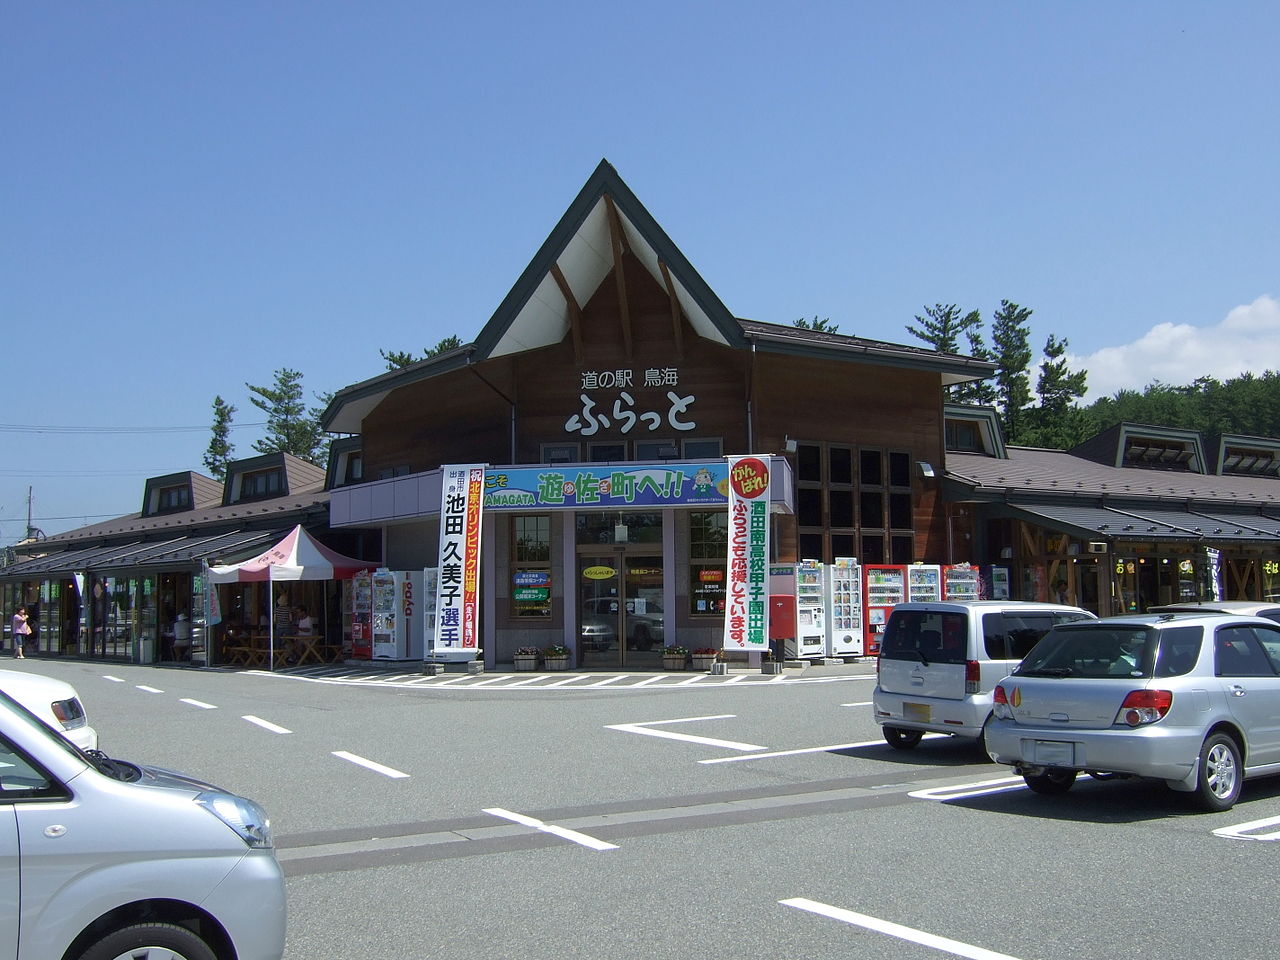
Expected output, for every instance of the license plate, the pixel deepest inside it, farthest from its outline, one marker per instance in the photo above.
(1055, 753)
(919, 712)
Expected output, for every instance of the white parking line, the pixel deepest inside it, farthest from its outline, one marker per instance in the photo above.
(601, 683)
(371, 765)
(864, 703)
(827, 749)
(266, 724)
(1244, 831)
(563, 832)
(107, 676)
(565, 681)
(521, 683)
(648, 680)
(644, 728)
(959, 791)
(896, 930)
(145, 689)
(198, 703)
(488, 680)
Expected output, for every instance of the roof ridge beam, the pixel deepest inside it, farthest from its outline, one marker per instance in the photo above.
(676, 313)
(575, 312)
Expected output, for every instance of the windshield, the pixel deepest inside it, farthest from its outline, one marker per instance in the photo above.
(1133, 651)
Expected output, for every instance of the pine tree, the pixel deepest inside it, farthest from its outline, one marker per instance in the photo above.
(218, 453)
(976, 391)
(398, 359)
(1012, 340)
(818, 326)
(291, 427)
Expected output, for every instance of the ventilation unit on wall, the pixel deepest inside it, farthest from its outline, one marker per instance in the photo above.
(1097, 547)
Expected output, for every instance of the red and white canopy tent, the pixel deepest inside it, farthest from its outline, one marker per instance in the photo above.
(297, 557)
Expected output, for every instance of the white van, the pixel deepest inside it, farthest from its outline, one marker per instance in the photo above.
(940, 662)
(101, 859)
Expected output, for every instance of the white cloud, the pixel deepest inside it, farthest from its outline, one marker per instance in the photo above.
(1247, 339)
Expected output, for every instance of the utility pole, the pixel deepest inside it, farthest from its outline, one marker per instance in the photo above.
(33, 533)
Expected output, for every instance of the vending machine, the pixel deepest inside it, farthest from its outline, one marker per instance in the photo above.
(362, 616)
(385, 611)
(399, 611)
(885, 586)
(924, 582)
(998, 577)
(804, 582)
(960, 581)
(844, 608)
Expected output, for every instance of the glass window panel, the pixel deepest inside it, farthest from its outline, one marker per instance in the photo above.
(841, 506)
(900, 511)
(899, 470)
(811, 546)
(840, 465)
(703, 449)
(870, 469)
(872, 549)
(903, 549)
(872, 508)
(809, 507)
(809, 462)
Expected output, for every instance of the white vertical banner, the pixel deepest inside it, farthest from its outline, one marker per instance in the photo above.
(746, 615)
(457, 632)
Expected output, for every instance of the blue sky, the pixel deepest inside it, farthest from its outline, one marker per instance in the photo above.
(197, 195)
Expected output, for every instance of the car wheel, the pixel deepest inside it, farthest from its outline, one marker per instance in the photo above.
(1219, 780)
(901, 739)
(150, 941)
(1050, 782)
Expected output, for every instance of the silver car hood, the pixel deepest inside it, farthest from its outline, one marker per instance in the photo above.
(172, 780)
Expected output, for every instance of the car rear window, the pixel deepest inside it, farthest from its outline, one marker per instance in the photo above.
(1010, 634)
(1113, 651)
(925, 635)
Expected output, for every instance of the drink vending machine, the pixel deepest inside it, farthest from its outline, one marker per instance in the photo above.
(799, 586)
(885, 588)
(924, 582)
(844, 608)
(960, 581)
(361, 610)
(400, 609)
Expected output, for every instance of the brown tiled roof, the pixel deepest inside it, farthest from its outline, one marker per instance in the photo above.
(1034, 471)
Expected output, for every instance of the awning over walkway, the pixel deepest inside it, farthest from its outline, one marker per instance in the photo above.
(176, 551)
(1113, 523)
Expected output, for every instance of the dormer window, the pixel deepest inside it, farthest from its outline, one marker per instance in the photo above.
(174, 498)
(964, 436)
(1159, 453)
(261, 483)
(354, 471)
(1243, 461)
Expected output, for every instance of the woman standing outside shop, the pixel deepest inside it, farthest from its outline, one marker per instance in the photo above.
(20, 630)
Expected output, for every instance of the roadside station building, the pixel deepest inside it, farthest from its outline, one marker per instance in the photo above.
(603, 395)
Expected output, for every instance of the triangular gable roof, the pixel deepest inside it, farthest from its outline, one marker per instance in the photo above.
(536, 313)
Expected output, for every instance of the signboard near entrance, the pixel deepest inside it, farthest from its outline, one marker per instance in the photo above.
(604, 487)
(746, 619)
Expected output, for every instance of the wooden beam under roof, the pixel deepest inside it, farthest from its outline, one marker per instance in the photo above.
(617, 242)
(676, 330)
(575, 312)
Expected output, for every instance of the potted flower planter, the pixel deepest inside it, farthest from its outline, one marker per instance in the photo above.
(526, 661)
(556, 663)
(672, 661)
(703, 662)
(771, 666)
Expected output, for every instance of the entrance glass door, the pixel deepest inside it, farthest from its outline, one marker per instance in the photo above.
(621, 616)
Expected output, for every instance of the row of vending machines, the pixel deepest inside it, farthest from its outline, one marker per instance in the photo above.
(840, 609)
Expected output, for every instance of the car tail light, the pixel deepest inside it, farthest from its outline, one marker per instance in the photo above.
(1144, 706)
(972, 676)
(1000, 704)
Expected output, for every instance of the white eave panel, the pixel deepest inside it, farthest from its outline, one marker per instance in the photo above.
(351, 418)
(698, 318)
(542, 321)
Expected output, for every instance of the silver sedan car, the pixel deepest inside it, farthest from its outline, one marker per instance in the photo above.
(1190, 699)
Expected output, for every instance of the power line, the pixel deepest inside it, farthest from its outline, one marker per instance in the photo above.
(60, 429)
